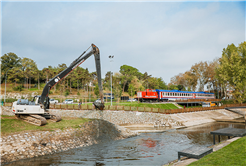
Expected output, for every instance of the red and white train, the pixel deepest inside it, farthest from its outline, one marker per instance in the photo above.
(170, 95)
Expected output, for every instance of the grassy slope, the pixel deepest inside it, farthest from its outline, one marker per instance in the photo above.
(10, 125)
(232, 155)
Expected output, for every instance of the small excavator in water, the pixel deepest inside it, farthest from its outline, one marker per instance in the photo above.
(37, 111)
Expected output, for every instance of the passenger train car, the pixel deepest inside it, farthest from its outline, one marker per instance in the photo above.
(169, 95)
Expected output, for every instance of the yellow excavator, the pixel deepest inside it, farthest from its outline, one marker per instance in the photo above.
(37, 111)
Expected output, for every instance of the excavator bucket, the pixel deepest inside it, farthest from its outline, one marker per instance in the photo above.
(99, 105)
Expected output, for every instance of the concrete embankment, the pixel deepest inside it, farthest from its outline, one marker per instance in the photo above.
(202, 117)
(37, 143)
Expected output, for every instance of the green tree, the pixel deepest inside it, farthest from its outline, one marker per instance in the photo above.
(29, 69)
(9, 61)
(127, 74)
(232, 69)
(131, 90)
(96, 90)
(15, 74)
(117, 88)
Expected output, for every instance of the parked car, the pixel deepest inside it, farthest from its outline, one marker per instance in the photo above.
(68, 101)
(208, 104)
(53, 101)
(131, 100)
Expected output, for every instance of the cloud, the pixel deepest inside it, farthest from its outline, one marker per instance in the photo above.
(161, 38)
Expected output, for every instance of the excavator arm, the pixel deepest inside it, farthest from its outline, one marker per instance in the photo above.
(44, 99)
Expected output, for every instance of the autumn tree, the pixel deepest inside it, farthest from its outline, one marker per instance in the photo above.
(200, 71)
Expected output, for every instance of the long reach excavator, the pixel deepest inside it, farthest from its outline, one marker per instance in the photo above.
(37, 111)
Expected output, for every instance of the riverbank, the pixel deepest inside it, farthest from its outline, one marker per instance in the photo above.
(38, 143)
(229, 152)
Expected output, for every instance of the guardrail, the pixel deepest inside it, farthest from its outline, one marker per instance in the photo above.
(139, 109)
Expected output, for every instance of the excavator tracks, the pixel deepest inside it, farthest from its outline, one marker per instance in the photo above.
(33, 119)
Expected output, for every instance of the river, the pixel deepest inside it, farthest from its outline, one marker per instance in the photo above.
(145, 149)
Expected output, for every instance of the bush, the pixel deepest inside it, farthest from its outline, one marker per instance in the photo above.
(18, 88)
(67, 92)
(10, 100)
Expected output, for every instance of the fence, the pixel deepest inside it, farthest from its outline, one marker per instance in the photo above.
(139, 109)
(198, 100)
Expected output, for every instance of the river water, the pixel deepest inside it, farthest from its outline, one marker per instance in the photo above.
(145, 149)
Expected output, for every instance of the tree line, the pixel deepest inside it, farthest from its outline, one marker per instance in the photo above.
(218, 76)
(23, 72)
(227, 73)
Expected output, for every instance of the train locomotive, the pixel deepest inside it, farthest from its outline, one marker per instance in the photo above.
(155, 95)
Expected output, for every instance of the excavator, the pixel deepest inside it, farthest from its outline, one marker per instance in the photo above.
(36, 111)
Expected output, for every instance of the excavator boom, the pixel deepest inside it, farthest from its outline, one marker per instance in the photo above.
(44, 99)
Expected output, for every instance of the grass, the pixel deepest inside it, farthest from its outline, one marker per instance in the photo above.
(232, 154)
(9, 124)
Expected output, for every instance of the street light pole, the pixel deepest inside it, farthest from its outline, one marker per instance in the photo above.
(111, 57)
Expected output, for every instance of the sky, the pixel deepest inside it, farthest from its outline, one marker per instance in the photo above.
(161, 38)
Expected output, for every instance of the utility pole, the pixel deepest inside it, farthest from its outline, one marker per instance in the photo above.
(111, 60)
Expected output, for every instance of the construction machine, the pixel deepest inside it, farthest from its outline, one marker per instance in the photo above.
(36, 111)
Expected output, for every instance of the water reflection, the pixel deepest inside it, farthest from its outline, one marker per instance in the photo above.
(146, 149)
